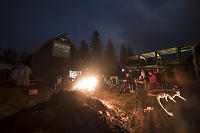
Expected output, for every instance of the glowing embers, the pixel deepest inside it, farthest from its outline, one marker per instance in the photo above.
(108, 114)
(109, 111)
(167, 96)
(148, 109)
(106, 104)
(100, 112)
(87, 84)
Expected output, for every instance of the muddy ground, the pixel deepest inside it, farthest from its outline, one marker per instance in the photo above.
(104, 111)
(64, 112)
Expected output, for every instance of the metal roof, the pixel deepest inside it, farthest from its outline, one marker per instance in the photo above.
(161, 52)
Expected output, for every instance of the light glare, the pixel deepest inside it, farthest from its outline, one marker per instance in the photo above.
(87, 84)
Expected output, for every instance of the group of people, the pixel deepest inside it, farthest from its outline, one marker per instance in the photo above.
(130, 81)
(20, 75)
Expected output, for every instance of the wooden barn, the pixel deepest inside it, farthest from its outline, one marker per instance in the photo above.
(51, 58)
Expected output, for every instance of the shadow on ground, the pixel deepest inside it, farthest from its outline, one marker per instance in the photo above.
(64, 112)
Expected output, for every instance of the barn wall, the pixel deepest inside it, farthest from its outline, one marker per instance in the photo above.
(44, 65)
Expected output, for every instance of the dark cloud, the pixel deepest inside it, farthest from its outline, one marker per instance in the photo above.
(147, 25)
(160, 25)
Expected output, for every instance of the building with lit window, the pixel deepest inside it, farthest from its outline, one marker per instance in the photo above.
(51, 58)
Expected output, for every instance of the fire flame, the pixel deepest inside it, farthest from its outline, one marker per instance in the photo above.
(87, 83)
(106, 104)
(100, 112)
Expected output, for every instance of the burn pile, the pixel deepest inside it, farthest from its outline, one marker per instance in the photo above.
(64, 112)
(124, 119)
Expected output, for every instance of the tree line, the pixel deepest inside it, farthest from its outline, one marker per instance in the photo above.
(93, 55)
(11, 56)
(90, 55)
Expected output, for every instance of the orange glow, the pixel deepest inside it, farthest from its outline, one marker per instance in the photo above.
(108, 114)
(107, 105)
(87, 84)
(100, 112)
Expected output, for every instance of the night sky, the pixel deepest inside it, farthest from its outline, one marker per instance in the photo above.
(145, 24)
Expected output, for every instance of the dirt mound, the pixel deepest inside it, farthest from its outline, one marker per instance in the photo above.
(64, 112)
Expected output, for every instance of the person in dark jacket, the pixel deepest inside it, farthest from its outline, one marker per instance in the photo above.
(129, 77)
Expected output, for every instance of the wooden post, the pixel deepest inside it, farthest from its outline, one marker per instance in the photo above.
(139, 61)
(179, 54)
(195, 63)
(146, 62)
(157, 61)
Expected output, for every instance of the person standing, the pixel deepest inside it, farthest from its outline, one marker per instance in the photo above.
(153, 82)
(142, 75)
(150, 101)
(130, 82)
(24, 76)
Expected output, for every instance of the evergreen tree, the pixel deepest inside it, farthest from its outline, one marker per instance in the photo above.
(110, 58)
(22, 56)
(96, 62)
(84, 51)
(96, 48)
(129, 51)
(10, 56)
(123, 54)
